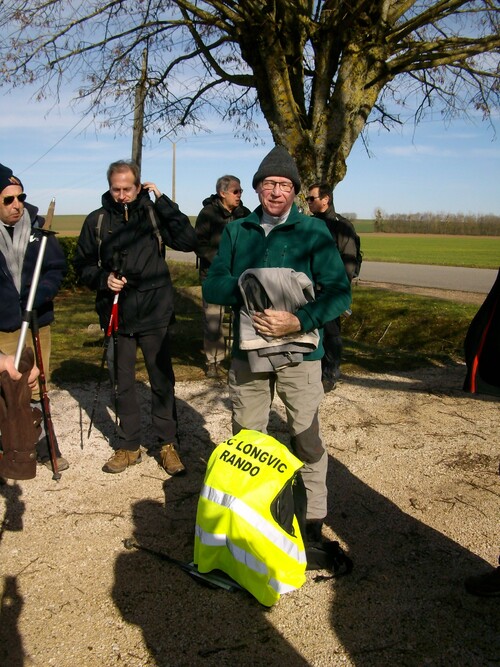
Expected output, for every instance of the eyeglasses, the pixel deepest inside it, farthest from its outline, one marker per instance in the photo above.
(311, 199)
(270, 185)
(237, 191)
(9, 199)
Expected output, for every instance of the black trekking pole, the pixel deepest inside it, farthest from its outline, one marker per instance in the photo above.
(118, 260)
(47, 417)
(111, 330)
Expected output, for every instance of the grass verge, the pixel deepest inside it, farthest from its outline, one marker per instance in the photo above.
(387, 331)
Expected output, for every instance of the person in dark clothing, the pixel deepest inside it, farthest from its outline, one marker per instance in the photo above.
(121, 250)
(218, 209)
(20, 239)
(320, 201)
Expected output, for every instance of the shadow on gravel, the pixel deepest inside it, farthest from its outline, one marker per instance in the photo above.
(417, 381)
(11, 603)
(184, 622)
(405, 603)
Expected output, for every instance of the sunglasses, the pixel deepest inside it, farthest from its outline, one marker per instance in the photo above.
(9, 199)
(311, 199)
(237, 192)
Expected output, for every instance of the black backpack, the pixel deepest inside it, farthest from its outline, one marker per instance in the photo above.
(359, 256)
(320, 554)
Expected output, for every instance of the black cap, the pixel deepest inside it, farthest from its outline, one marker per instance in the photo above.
(7, 178)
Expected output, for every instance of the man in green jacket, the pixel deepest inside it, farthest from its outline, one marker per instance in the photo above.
(276, 234)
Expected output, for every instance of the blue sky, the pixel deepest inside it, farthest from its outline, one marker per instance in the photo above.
(434, 168)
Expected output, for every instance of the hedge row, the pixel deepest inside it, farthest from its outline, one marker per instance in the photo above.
(68, 244)
(437, 223)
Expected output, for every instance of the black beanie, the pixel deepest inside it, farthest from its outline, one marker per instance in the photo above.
(7, 178)
(278, 162)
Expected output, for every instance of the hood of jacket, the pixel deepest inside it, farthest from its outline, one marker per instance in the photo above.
(214, 200)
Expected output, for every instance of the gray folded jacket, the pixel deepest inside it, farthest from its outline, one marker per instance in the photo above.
(280, 289)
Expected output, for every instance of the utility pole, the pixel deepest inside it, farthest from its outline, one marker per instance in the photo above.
(174, 144)
(141, 91)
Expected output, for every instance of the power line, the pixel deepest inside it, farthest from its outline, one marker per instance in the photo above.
(54, 145)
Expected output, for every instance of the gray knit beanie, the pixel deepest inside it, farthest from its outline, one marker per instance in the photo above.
(278, 162)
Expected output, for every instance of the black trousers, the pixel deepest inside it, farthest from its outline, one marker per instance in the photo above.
(332, 343)
(155, 347)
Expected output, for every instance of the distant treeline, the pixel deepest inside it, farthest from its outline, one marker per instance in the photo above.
(437, 223)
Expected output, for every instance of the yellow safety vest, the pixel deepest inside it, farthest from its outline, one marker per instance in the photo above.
(238, 525)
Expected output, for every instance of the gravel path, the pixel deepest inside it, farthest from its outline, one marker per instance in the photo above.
(414, 497)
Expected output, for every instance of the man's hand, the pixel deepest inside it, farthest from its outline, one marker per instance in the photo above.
(7, 364)
(116, 284)
(151, 187)
(276, 323)
(33, 378)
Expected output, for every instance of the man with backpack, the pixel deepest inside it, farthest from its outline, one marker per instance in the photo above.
(320, 201)
(121, 251)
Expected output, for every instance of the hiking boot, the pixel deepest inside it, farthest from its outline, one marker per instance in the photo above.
(62, 464)
(170, 461)
(328, 384)
(212, 371)
(486, 585)
(122, 459)
(314, 529)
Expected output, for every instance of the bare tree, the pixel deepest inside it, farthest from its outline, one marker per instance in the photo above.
(319, 72)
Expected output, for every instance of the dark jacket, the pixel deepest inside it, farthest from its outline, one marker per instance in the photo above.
(12, 303)
(345, 235)
(302, 243)
(131, 249)
(210, 224)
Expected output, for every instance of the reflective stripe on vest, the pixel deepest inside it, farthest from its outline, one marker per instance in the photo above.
(235, 528)
(277, 537)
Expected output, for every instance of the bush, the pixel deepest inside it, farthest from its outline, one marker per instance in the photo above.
(437, 223)
(68, 245)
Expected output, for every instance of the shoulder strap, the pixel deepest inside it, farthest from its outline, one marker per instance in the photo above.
(98, 237)
(155, 228)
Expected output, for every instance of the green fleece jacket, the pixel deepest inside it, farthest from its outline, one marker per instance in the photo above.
(302, 243)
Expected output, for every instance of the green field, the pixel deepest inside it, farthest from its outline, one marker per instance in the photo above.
(473, 251)
(70, 225)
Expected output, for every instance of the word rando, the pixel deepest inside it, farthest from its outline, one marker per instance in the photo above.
(250, 453)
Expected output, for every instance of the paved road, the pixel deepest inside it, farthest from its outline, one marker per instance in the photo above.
(415, 275)
(436, 277)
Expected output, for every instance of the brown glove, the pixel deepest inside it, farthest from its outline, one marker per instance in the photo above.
(19, 423)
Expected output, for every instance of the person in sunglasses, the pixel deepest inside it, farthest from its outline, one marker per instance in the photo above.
(218, 209)
(20, 237)
(278, 236)
(320, 202)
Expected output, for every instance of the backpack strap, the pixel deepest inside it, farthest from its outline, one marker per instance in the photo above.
(98, 236)
(156, 229)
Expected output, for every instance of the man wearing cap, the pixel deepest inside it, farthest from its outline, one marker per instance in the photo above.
(20, 238)
(277, 235)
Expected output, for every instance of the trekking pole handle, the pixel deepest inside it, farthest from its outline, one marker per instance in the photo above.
(31, 298)
(113, 320)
